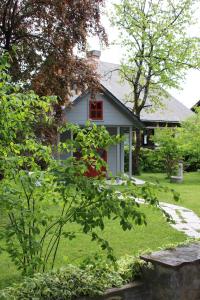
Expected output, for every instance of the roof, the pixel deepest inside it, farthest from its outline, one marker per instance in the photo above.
(195, 105)
(120, 104)
(171, 111)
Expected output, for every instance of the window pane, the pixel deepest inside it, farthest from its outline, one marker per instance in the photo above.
(99, 105)
(93, 105)
(99, 115)
(93, 114)
(96, 110)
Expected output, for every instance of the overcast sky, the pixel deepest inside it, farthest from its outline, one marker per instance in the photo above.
(190, 92)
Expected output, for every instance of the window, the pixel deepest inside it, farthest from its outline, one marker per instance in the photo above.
(96, 110)
(145, 139)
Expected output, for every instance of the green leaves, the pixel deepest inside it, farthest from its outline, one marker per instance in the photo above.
(71, 282)
(158, 47)
(169, 147)
(41, 196)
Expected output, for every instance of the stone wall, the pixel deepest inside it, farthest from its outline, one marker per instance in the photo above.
(175, 275)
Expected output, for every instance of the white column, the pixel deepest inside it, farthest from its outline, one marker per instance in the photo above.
(118, 153)
(122, 157)
(130, 150)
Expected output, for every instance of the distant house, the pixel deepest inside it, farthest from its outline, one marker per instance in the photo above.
(171, 114)
(111, 109)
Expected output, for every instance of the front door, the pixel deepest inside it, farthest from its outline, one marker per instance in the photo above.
(92, 172)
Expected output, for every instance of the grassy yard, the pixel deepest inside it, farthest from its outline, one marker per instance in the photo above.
(156, 234)
(189, 190)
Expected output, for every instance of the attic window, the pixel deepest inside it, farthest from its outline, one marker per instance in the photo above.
(96, 110)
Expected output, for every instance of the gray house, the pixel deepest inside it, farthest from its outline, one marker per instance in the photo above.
(106, 110)
(111, 109)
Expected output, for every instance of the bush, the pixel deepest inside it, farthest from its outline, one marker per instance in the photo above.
(191, 161)
(150, 160)
(72, 281)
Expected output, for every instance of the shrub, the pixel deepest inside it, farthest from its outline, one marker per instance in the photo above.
(169, 148)
(72, 281)
(150, 160)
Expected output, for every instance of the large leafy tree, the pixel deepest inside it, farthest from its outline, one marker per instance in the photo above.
(158, 50)
(41, 37)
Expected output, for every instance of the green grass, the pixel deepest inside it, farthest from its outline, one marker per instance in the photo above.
(189, 190)
(156, 234)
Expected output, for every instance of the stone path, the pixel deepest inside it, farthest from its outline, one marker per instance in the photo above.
(185, 220)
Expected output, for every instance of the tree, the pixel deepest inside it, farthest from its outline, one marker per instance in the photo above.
(169, 147)
(189, 138)
(38, 205)
(41, 37)
(159, 50)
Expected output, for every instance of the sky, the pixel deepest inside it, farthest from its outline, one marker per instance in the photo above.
(190, 87)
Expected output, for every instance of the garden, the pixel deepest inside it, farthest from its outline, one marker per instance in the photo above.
(56, 222)
(52, 215)
(64, 234)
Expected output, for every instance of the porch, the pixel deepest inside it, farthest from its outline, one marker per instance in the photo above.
(115, 154)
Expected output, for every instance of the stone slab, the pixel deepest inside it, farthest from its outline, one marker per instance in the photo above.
(175, 258)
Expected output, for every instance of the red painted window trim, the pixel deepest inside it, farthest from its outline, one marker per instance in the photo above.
(96, 110)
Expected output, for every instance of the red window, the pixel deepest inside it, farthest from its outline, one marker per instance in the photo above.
(96, 110)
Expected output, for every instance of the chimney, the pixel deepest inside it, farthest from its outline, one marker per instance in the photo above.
(94, 54)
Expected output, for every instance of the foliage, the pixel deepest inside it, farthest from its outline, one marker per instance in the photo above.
(90, 279)
(41, 36)
(189, 138)
(169, 148)
(151, 160)
(20, 112)
(158, 48)
(41, 203)
(72, 282)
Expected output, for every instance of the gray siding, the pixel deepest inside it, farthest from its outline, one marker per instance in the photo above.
(79, 112)
(112, 156)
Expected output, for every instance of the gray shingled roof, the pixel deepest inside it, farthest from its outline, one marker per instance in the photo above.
(172, 110)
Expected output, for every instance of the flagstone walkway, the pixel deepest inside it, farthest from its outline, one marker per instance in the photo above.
(185, 220)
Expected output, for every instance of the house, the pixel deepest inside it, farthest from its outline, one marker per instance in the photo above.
(105, 110)
(111, 109)
(171, 114)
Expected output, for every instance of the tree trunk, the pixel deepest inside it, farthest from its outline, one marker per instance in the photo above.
(136, 153)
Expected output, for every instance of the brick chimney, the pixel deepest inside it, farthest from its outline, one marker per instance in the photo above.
(94, 54)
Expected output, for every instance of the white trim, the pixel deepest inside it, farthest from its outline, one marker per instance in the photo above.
(118, 153)
(130, 150)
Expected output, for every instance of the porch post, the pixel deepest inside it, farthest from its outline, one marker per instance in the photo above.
(118, 153)
(130, 150)
(71, 137)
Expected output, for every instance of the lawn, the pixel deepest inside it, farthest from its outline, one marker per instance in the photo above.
(189, 190)
(156, 234)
